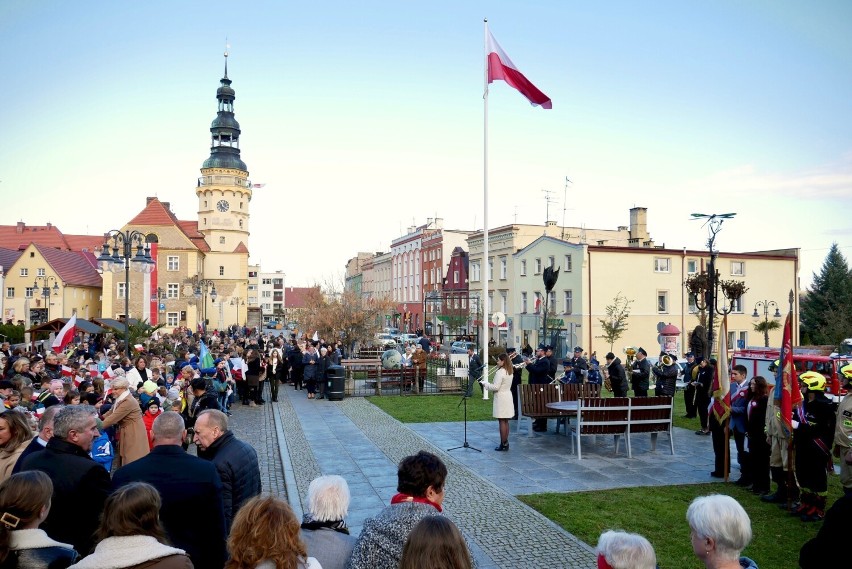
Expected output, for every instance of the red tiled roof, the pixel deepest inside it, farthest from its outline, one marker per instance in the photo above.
(294, 296)
(158, 213)
(190, 229)
(241, 248)
(8, 258)
(73, 267)
(21, 235)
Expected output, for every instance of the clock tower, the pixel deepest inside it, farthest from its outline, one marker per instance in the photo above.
(224, 190)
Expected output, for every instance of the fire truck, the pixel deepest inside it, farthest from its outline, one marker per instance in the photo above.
(757, 361)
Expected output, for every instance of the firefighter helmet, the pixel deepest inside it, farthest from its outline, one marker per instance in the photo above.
(774, 365)
(847, 372)
(813, 381)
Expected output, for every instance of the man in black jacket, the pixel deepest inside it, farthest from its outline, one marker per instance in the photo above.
(192, 512)
(235, 460)
(641, 376)
(617, 375)
(80, 485)
(39, 442)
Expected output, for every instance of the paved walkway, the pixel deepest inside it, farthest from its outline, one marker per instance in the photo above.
(358, 441)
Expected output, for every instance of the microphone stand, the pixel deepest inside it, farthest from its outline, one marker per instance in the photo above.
(468, 392)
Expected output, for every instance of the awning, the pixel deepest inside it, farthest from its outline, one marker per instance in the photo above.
(57, 324)
(113, 323)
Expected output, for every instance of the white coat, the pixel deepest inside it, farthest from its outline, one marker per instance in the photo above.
(504, 407)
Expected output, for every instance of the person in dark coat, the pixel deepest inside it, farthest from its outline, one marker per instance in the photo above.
(825, 550)
(641, 376)
(813, 435)
(703, 383)
(235, 460)
(579, 365)
(758, 448)
(665, 376)
(617, 375)
(80, 485)
(294, 358)
(538, 371)
(204, 398)
(39, 442)
(192, 511)
(517, 376)
(276, 372)
(689, 391)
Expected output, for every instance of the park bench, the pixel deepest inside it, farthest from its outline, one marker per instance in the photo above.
(401, 378)
(622, 416)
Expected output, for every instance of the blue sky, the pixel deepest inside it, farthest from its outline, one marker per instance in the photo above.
(365, 118)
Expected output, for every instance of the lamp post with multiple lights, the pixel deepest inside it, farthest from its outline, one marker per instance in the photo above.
(45, 291)
(765, 304)
(120, 256)
(203, 288)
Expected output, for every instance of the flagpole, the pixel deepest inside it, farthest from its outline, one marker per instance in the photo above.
(728, 418)
(484, 265)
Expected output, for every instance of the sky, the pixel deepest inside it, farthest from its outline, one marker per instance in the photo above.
(364, 118)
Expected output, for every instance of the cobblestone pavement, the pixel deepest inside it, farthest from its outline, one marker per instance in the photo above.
(256, 425)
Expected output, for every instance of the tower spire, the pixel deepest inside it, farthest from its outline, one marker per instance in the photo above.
(225, 130)
(227, 47)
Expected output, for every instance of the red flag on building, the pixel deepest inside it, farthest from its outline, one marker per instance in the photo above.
(500, 67)
(64, 337)
(721, 380)
(786, 380)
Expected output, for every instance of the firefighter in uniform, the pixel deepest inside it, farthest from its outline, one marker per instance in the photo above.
(813, 432)
(843, 432)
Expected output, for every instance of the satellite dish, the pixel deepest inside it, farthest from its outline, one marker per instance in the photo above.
(498, 318)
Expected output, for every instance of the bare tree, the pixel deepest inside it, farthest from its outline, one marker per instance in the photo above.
(615, 324)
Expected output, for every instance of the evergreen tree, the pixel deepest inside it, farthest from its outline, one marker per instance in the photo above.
(826, 309)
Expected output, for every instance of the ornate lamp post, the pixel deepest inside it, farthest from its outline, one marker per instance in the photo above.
(704, 286)
(121, 258)
(45, 291)
(765, 304)
(203, 288)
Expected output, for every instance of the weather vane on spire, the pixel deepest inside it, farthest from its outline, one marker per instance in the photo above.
(227, 48)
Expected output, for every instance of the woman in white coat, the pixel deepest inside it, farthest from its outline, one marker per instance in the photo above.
(503, 405)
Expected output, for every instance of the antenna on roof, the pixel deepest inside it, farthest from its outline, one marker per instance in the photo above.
(565, 205)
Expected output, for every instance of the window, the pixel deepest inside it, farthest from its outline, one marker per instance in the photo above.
(732, 340)
(29, 292)
(172, 290)
(538, 266)
(693, 304)
(490, 269)
(523, 267)
(551, 262)
(437, 274)
(425, 277)
(504, 302)
(172, 263)
(569, 302)
(537, 302)
(662, 265)
(25, 272)
(737, 305)
(523, 303)
(491, 301)
(221, 270)
(691, 266)
(172, 318)
(40, 272)
(266, 281)
(120, 290)
(266, 294)
(10, 292)
(662, 301)
(252, 287)
(455, 277)
(743, 340)
(551, 304)
(474, 272)
(222, 240)
(737, 269)
(568, 264)
(502, 268)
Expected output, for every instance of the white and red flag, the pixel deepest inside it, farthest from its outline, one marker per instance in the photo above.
(67, 371)
(501, 67)
(108, 373)
(64, 337)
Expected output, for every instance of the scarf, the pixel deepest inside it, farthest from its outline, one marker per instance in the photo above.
(309, 523)
(602, 564)
(400, 498)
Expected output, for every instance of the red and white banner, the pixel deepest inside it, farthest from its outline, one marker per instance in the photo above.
(64, 337)
(500, 67)
(108, 373)
(67, 371)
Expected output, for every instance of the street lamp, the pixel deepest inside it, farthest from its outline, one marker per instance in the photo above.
(45, 291)
(765, 304)
(704, 287)
(121, 258)
(204, 287)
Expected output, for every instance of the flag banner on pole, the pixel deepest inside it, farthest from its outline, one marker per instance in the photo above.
(206, 360)
(721, 379)
(64, 336)
(108, 373)
(500, 67)
(67, 371)
(786, 380)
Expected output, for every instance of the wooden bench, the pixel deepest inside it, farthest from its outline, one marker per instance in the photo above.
(533, 400)
(601, 416)
(651, 415)
(383, 378)
(624, 416)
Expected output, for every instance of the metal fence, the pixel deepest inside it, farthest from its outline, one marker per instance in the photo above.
(365, 376)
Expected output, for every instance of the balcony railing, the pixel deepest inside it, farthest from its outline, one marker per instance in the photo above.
(224, 181)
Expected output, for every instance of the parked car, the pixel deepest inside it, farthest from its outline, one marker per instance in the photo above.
(271, 325)
(408, 338)
(461, 347)
(385, 340)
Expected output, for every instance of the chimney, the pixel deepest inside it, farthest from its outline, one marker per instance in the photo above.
(167, 205)
(429, 221)
(20, 227)
(439, 223)
(48, 225)
(148, 200)
(639, 223)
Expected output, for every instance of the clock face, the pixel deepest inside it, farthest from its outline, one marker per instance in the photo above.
(223, 205)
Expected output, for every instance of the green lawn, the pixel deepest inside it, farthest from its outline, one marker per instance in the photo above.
(659, 514)
(434, 408)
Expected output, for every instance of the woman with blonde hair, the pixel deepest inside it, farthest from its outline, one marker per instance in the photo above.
(504, 406)
(437, 543)
(15, 436)
(126, 413)
(25, 503)
(265, 535)
(131, 536)
(721, 529)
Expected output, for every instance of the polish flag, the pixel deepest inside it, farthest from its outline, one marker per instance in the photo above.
(108, 373)
(64, 337)
(501, 67)
(67, 371)
(257, 185)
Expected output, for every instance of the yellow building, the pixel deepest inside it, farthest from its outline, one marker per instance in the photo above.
(70, 278)
(202, 265)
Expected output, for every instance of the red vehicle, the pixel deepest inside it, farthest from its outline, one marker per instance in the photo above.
(757, 362)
